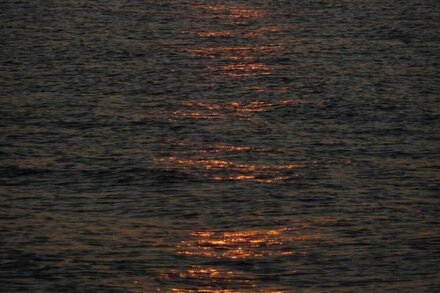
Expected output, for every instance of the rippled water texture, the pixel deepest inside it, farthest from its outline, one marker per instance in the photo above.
(219, 146)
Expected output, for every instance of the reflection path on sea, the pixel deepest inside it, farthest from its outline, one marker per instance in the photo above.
(223, 261)
(236, 53)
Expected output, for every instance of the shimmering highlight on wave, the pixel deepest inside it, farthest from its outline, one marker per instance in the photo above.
(230, 11)
(233, 52)
(225, 170)
(233, 246)
(196, 115)
(214, 148)
(243, 244)
(213, 290)
(241, 70)
(251, 33)
(253, 289)
(246, 59)
(252, 106)
(209, 276)
(223, 164)
(233, 110)
(215, 34)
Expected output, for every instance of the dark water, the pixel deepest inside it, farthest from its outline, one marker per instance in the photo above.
(219, 146)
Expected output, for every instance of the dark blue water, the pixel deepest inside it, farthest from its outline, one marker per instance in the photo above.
(219, 146)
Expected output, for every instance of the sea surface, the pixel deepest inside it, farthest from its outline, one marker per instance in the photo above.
(219, 146)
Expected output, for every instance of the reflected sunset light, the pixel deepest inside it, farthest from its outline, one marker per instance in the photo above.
(230, 11)
(249, 33)
(215, 34)
(246, 59)
(209, 275)
(243, 244)
(254, 290)
(214, 149)
(233, 52)
(235, 109)
(241, 70)
(222, 164)
(224, 170)
(197, 115)
(234, 246)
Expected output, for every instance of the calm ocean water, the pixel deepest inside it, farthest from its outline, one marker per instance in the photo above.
(219, 146)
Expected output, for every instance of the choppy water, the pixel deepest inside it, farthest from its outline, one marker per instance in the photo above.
(219, 146)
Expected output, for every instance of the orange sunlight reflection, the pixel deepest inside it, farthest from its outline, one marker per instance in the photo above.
(240, 70)
(239, 110)
(242, 244)
(234, 53)
(233, 246)
(259, 173)
(251, 33)
(230, 12)
(209, 275)
(212, 290)
(245, 58)
(215, 34)
(215, 149)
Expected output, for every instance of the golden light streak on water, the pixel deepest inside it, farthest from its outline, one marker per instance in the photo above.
(192, 115)
(209, 275)
(233, 110)
(234, 52)
(232, 246)
(256, 179)
(210, 150)
(242, 244)
(177, 290)
(215, 34)
(241, 70)
(223, 164)
(245, 58)
(252, 106)
(230, 11)
(208, 162)
(225, 148)
(250, 33)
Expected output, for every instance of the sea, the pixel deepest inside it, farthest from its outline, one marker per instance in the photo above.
(180, 146)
